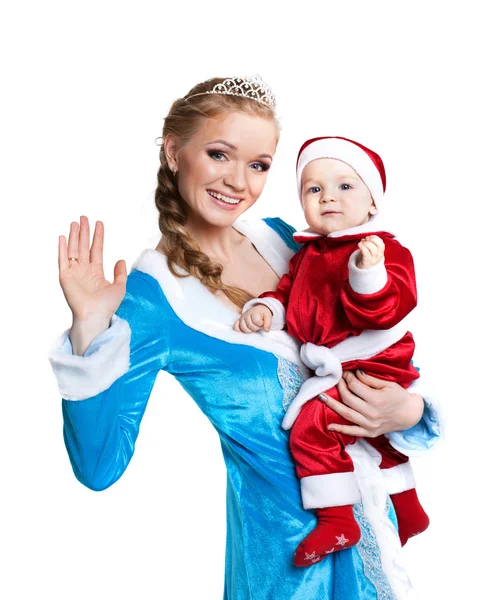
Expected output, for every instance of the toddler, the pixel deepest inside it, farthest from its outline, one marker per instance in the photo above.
(347, 290)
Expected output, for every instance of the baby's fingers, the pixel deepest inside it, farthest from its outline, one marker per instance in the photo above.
(244, 326)
(254, 321)
(364, 250)
(267, 320)
(379, 243)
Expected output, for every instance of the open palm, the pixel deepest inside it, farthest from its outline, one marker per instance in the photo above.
(85, 288)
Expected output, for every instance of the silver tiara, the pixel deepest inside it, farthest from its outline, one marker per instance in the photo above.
(248, 87)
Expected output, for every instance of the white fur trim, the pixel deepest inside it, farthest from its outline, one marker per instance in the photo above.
(268, 243)
(366, 281)
(374, 500)
(370, 343)
(333, 489)
(276, 308)
(82, 377)
(399, 478)
(349, 153)
(375, 224)
(201, 310)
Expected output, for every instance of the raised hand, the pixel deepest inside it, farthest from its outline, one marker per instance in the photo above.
(255, 318)
(88, 294)
(371, 251)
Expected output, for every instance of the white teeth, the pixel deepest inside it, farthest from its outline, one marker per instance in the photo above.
(223, 198)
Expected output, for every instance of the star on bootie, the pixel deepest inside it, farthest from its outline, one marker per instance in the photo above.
(336, 529)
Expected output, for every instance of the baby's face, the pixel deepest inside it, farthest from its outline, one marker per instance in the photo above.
(334, 197)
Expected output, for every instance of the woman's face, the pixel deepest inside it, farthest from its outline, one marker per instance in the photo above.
(224, 166)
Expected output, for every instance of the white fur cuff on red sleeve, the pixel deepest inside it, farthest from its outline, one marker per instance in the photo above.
(366, 281)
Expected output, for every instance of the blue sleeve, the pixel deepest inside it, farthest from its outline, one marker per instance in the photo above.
(102, 417)
(427, 432)
(284, 230)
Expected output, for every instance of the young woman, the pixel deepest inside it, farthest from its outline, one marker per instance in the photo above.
(175, 312)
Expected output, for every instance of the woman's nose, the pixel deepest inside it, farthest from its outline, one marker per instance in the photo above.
(236, 177)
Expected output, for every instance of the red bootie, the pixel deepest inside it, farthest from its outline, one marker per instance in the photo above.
(336, 529)
(411, 517)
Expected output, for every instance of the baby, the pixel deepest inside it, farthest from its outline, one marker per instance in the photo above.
(347, 290)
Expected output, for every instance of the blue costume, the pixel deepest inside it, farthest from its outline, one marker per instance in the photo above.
(177, 325)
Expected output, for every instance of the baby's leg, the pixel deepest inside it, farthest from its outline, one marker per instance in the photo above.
(397, 472)
(327, 482)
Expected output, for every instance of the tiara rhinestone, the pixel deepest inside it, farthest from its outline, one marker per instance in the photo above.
(249, 87)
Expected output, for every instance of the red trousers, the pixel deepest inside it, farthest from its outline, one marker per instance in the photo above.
(318, 451)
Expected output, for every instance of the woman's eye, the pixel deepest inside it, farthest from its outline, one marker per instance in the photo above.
(345, 186)
(216, 154)
(260, 167)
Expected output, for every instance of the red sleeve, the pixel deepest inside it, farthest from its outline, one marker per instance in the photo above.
(286, 282)
(387, 306)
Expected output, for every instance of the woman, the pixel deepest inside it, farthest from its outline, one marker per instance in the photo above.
(176, 314)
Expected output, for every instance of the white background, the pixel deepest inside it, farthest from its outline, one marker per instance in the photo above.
(85, 90)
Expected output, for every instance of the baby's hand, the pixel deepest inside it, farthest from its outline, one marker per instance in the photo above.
(257, 317)
(371, 252)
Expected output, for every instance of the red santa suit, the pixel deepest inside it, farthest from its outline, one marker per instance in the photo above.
(347, 318)
(327, 299)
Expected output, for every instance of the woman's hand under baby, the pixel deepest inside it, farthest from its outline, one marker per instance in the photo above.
(255, 318)
(371, 253)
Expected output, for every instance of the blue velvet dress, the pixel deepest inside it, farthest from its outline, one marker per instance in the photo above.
(243, 383)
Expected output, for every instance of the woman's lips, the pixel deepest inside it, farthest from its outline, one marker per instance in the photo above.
(224, 200)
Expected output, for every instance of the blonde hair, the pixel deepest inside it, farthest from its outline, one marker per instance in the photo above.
(182, 122)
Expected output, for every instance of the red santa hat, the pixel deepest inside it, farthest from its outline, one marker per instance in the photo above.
(366, 163)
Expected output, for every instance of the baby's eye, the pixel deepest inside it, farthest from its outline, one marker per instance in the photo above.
(314, 189)
(216, 155)
(345, 186)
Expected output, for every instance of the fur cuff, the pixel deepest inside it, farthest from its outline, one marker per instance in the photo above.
(333, 489)
(82, 377)
(366, 281)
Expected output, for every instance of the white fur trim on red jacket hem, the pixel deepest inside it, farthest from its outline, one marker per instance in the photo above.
(399, 478)
(332, 489)
(82, 377)
(366, 281)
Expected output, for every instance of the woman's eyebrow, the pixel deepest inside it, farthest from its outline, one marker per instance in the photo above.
(231, 146)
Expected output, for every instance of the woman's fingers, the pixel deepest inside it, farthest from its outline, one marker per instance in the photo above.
(83, 240)
(62, 255)
(363, 385)
(354, 401)
(73, 240)
(96, 253)
(349, 414)
(350, 430)
(120, 273)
